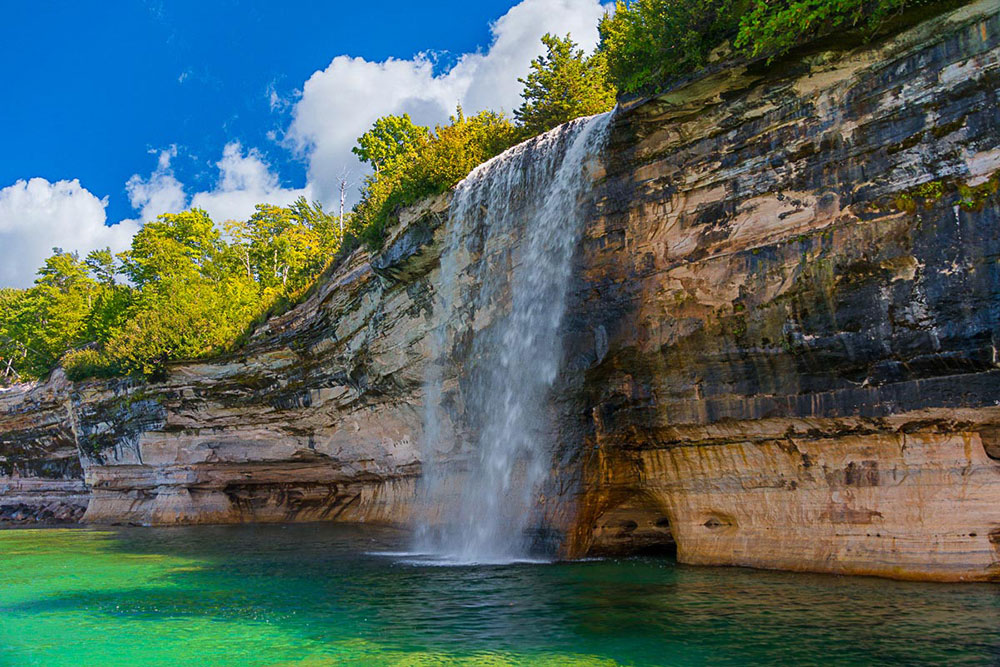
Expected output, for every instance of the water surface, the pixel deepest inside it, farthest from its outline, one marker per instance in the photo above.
(317, 595)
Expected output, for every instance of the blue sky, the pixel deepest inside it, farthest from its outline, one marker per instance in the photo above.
(117, 111)
(92, 86)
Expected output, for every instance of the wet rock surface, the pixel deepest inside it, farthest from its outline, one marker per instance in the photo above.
(50, 513)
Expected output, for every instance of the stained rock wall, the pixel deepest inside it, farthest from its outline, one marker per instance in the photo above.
(317, 419)
(40, 474)
(794, 278)
(781, 349)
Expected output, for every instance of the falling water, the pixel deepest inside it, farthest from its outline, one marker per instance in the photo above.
(500, 322)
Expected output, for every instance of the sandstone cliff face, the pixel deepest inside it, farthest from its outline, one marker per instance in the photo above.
(796, 279)
(40, 473)
(317, 419)
(780, 349)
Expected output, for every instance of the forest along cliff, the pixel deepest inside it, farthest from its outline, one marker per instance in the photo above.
(780, 344)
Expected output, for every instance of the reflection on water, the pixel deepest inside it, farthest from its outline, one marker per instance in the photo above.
(322, 594)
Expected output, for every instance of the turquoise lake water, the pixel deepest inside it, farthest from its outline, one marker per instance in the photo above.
(317, 595)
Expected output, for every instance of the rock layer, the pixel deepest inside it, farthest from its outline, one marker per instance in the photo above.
(796, 278)
(41, 479)
(781, 347)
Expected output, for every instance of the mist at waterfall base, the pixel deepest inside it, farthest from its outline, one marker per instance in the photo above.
(521, 213)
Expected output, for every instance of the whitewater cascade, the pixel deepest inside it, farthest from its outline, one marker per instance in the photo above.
(532, 192)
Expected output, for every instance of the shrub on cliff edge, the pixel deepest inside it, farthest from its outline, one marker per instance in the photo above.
(429, 165)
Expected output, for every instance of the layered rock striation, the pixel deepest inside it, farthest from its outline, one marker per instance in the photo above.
(794, 279)
(318, 418)
(780, 347)
(41, 479)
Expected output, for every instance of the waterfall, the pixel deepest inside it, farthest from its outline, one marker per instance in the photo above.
(506, 264)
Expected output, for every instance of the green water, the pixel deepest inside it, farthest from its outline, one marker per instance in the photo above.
(313, 595)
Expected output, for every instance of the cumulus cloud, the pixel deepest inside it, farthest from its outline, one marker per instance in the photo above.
(36, 215)
(341, 102)
(245, 179)
(160, 192)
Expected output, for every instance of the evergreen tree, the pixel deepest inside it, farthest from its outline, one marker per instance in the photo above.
(563, 84)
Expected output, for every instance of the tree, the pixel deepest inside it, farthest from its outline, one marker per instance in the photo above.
(13, 351)
(388, 139)
(328, 227)
(39, 324)
(563, 84)
(650, 42)
(102, 266)
(111, 301)
(173, 245)
(283, 248)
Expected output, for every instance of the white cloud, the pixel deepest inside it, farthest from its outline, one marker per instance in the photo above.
(341, 102)
(276, 101)
(160, 193)
(37, 215)
(245, 180)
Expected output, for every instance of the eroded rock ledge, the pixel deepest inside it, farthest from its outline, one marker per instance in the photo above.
(781, 349)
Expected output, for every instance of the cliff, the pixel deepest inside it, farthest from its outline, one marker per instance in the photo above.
(40, 474)
(796, 275)
(780, 343)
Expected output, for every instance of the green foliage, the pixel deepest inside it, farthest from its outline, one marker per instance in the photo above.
(772, 28)
(973, 197)
(391, 138)
(102, 266)
(14, 354)
(563, 84)
(650, 42)
(37, 325)
(283, 248)
(183, 318)
(88, 363)
(929, 194)
(193, 293)
(181, 246)
(428, 167)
